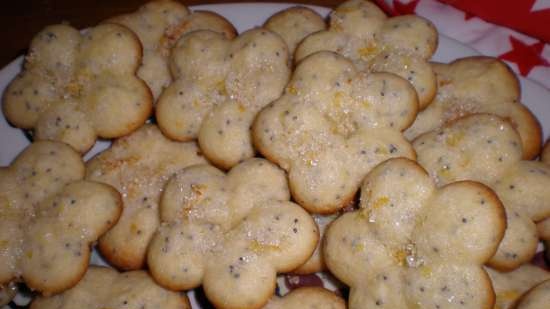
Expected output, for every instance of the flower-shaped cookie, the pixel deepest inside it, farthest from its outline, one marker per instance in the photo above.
(104, 287)
(360, 31)
(412, 245)
(231, 233)
(138, 165)
(307, 298)
(332, 125)
(220, 86)
(77, 87)
(49, 217)
(478, 85)
(294, 24)
(159, 24)
(487, 149)
(510, 286)
(536, 298)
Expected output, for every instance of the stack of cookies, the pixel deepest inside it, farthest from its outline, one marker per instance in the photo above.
(302, 146)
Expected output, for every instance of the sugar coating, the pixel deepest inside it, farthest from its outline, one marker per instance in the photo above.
(230, 233)
(77, 87)
(103, 288)
(159, 24)
(478, 85)
(402, 45)
(487, 149)
(510, 286)
(307, 298)
(332, 125)
(220, 86)
(294, 24)
(138, 166)
(536, 298)
(412, 245)
(49, 217)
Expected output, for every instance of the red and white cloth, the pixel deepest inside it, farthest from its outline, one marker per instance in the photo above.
(519, 34)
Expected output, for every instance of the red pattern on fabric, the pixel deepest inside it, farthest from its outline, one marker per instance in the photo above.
(516, 14)
(401, 8)
(525, 56)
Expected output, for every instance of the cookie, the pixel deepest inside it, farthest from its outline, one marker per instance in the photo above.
(159, 24)
(49, 217)
(294, 24)
(332, 125)
(76, 87)
(412, 245)
(220, 86)
(230, 233)
(138, 165)
(536, 298)
(487, 149)
(511, 285)
(307, 298)
(402, 45)
(478, 85)
(104, 287)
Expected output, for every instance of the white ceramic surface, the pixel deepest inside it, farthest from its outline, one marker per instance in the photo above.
(245, 16)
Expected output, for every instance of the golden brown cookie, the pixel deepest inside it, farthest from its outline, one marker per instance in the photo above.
(138, 165)
(486, 148)
(230, 233)
(536, 298)
(402, 45)
(510, 286)
(105, 288)
(333, 124)
(220, 86)
(76, 87)
(294, 24)
(159, 24)
(307, 298)
(412, 245)
(478, 85)
(50, 217)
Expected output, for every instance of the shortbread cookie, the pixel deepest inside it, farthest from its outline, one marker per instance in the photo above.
(332, 125)
(412, 245)
(103, 288)
(138, 165)
(159, 24)
(487, 149)
(230, 233)
(77, 87)
(537, 298)
(220, 86)
(510, 286)
(49, 217)
(307, 298)
(478, 85)
(294, 24)
(543, 227)
(402, 45)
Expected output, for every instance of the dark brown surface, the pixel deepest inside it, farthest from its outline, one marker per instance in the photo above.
(21, 19)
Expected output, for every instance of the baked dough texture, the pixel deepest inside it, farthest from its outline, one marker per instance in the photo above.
(76, 87)
(220, 86)
(138, 166)
(486, 148)
(159, 24)
(307, 298)
(50, 217)
(105, 288)
(536, 298)
(230, 233)
(332, 125)
(478, 85)
(413, 245)
(402, 45)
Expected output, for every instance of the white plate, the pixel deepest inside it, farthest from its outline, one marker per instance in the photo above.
(248, 15)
